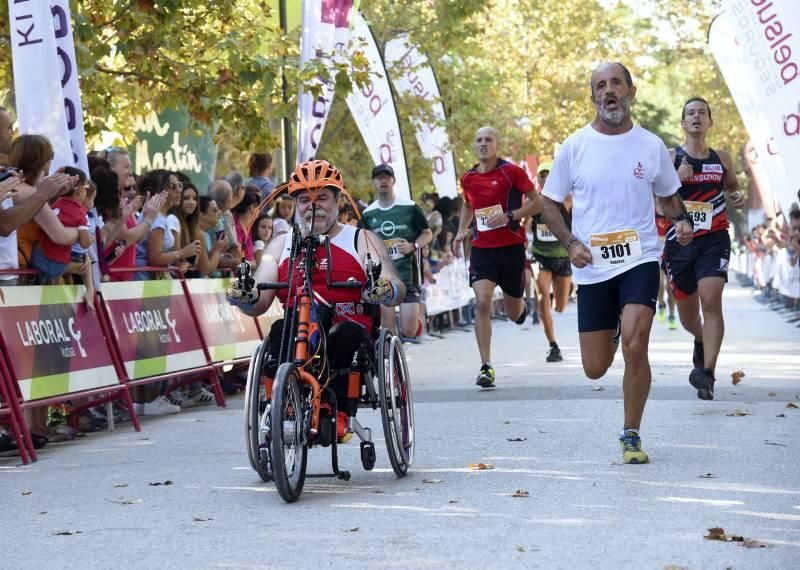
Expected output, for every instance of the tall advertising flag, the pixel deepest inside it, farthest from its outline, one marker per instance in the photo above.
(37, 77)
(413, 76)
(374, 111)
(768, 38)
(326, 25)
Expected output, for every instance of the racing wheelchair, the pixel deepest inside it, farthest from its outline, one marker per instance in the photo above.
(296, 409)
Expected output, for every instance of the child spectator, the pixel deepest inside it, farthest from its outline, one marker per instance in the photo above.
(262, 233)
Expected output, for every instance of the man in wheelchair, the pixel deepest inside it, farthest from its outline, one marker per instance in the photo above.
(347, 318)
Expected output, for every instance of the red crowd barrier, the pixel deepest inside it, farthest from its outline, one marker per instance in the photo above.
(53, 349)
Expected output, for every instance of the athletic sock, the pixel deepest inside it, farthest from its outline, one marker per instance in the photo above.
(554, 344)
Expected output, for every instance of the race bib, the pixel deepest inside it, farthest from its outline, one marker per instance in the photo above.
(615, 248)
(543, 233)
(483, 214)
(391, 246)
(701, 214)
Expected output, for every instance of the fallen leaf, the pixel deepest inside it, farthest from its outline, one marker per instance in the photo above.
(120, 485)
(159, 483)
(792, 405)
(737, 413)
(481, 466)
(520, 549)
(201, 519)
(433, 480)
(354, 529)
(516, 439)
(127, 501)
(755, 544)
(771, 394)
(707, 476)
(768, 442)
(26, 493)
(66, 532)
(716, 533)
(781, 416)
(379, 491)
(452, 502)
(506, 422)
(598, 389)
(737, 538)
(521, 493)
(43, 512)
(737, 376)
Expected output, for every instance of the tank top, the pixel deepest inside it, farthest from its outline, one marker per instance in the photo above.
(8, 247)
(706, 186)
(344, 304)
(545, 243)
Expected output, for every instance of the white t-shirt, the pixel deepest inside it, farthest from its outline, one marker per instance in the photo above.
(9, 257)
(612, 179)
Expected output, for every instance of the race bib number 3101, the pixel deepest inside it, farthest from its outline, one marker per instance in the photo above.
(615, 248)
(482, 215)
(701, 214)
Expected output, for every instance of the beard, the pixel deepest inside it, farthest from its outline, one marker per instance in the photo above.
(616, 117)
(321, 223)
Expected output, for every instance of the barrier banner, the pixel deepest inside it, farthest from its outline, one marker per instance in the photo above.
(54, 343)
(275, 313)
(153, 326)
(326, 23)
(228, 332)
(766, 38)
(37, 77)
(413, 76)
(451, 290)
(374, 112)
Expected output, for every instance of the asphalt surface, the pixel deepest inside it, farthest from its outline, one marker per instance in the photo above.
(546, 431)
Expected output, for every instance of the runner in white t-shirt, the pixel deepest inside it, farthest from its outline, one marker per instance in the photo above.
(613, 169)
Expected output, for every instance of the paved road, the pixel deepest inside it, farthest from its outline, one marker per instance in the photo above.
(709, 469)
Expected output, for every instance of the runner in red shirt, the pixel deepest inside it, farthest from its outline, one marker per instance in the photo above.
(494, 197)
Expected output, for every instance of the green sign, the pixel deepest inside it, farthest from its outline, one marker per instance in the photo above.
(164, 140)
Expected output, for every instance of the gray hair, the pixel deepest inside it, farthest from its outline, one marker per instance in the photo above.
(235, 179)
(220, 191)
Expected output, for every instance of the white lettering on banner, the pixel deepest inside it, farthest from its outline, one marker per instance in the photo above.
(37, 66)
(150, 124)
(152, 320)
(178, 158)
(223, 313)
(51, 331)
(413, 76)
(373, 110)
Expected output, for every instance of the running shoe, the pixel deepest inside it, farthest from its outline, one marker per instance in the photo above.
(703, 380)
(672, 324)
(631, 445)
(555, 354)
(698, 356)
(486, 377)
(661, 313)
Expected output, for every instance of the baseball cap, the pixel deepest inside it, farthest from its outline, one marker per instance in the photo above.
(545, 166)
(383, 169)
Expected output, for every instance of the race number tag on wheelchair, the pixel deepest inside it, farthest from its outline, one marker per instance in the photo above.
(615, 248)
(482, 216)
(701, 213)
(393, 246)
(543, 233)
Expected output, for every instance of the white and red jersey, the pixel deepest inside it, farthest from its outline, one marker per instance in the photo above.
(345, 304)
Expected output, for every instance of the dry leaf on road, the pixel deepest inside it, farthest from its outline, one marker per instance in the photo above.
(127, 501)
(737, 376)
(771, 394)
(26, 493)
(717, 533)
(737, 412)
(516, 439)
(598, 389)
(159, 483)
(781, 416)
(354, 529)
(792, 405)
(432, 480)
(768, 442)
(201, 519)
(755, 544)
(120, 485)
(707, 476)
(66, 532)
(481, 466)
(521, 493)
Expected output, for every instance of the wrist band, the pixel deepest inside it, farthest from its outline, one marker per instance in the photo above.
(570, 242)
(84, 228)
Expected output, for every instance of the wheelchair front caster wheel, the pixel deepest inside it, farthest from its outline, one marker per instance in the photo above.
(344, 475)
(368, 455)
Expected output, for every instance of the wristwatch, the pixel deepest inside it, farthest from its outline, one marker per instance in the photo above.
(510, 215)
(683, 216)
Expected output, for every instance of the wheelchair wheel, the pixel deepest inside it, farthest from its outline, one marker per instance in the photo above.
(256, 416)
(289, 413)
(397, 407)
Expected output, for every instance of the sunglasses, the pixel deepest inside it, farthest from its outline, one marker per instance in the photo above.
(175, 186)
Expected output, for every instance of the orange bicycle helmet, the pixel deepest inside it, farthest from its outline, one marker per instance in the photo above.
(314, 175)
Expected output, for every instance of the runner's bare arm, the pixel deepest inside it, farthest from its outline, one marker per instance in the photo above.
(579, 254)
(731, 182)
(673, 207)
(372, 244)
(531, 207)
(464, 220)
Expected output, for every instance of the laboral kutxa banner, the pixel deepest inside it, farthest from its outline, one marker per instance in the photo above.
(55, 345)
(413, 76)
(154, 327)
(373, 110)
(229, 333)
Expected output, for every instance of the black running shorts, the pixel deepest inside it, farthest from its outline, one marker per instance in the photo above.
(600, 304)
(558, 266)
(502, 265)
(707, 256)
